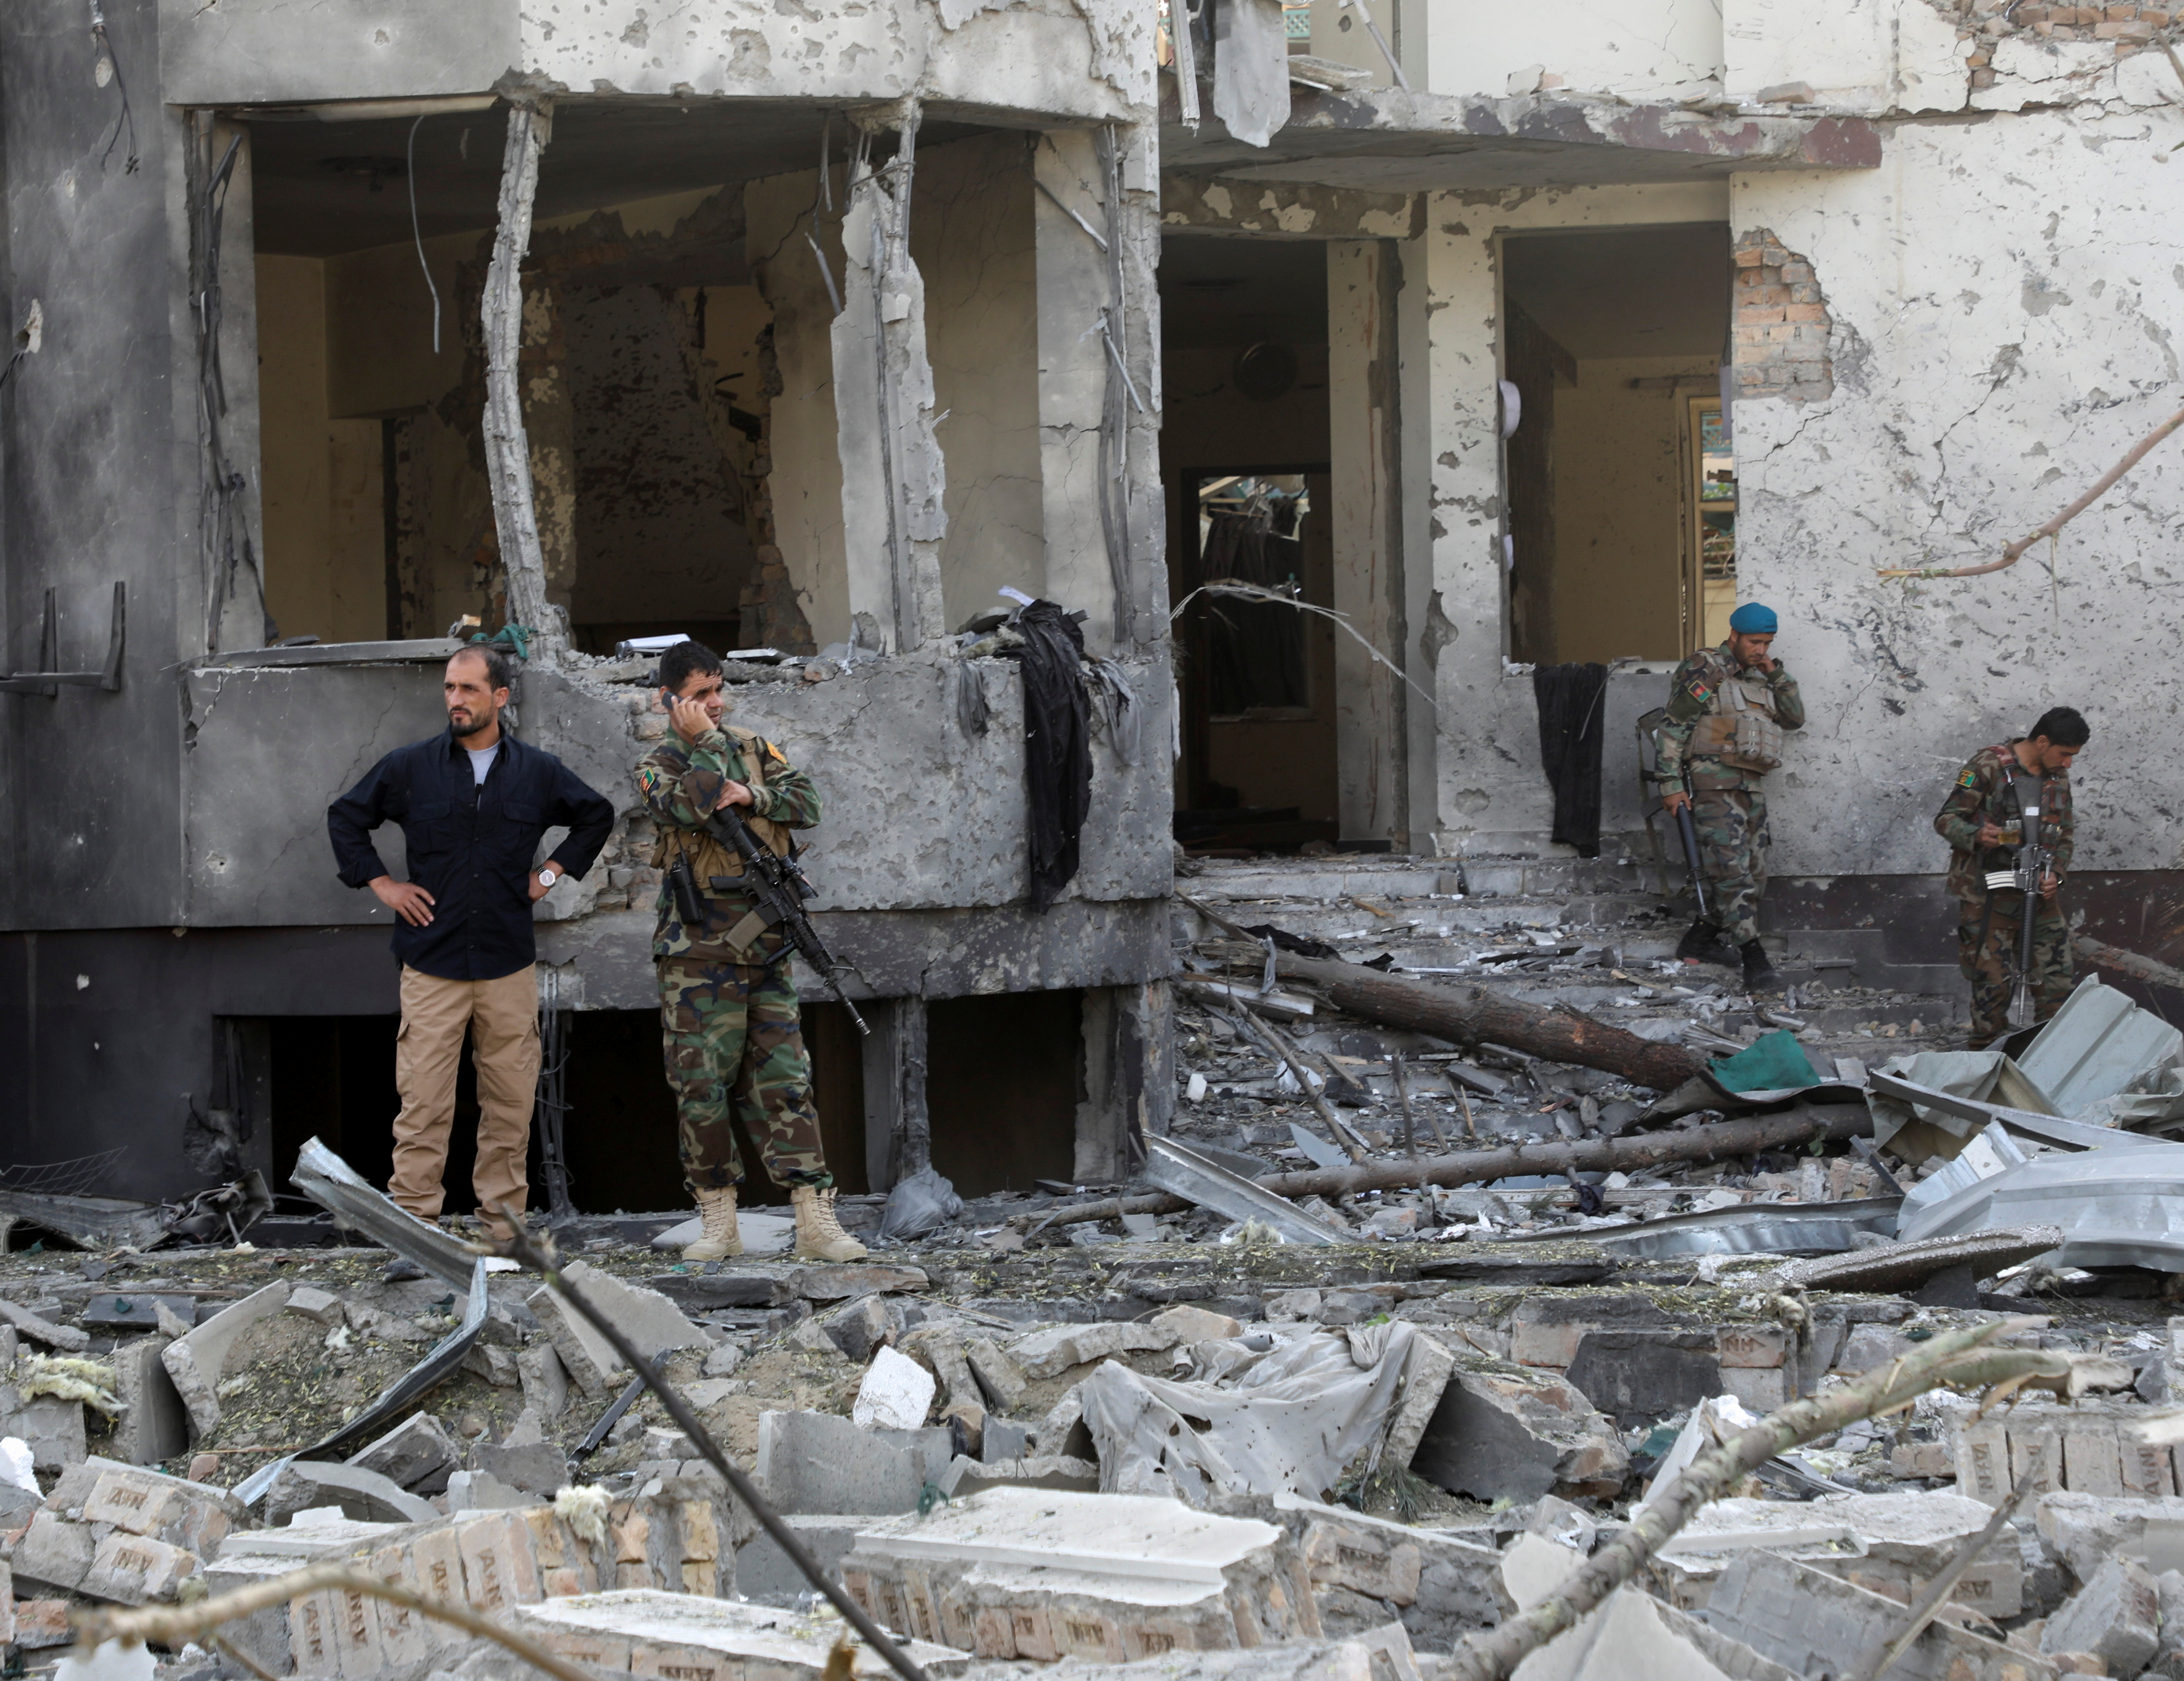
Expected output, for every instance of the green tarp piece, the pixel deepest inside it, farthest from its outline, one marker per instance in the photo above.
(1772, 1063)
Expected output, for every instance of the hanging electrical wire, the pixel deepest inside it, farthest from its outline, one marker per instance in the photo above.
(109, 66)
(410, 171)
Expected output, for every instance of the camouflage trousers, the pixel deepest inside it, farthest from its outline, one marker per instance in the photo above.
(1987, 953)
(1732, 831)
(734, 1042)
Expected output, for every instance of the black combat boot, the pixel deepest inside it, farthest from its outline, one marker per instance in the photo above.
(1759, 976)
(1701, 944)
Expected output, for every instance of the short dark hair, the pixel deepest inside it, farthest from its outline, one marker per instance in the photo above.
(497, 673)
(2064, 726)
(684, 660)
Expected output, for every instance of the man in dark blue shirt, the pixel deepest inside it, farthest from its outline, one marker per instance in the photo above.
(473, 804)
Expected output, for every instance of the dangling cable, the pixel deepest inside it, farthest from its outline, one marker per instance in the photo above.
(410, 170)
(111, 62)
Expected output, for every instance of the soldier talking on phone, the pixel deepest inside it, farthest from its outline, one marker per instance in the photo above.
(729, 1013)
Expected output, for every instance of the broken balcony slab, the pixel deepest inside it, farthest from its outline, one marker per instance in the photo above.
(1047, 1574)
(1905, 1266)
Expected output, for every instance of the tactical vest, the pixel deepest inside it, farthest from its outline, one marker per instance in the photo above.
(1740, 728)
(708, 857)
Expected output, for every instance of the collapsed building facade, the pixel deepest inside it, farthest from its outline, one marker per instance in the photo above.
(1538, 338)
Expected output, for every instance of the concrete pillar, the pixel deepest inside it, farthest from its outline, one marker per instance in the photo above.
(1074, 277)
(898, 1125)
(549, 424)
(1129, 1089)
(1365, 414)
(234, 547)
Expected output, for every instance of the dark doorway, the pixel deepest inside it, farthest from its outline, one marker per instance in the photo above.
(333, 1077)
(1002, 1078)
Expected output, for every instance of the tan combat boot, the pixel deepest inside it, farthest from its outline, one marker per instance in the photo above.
(819, 1235)
(719, 1240)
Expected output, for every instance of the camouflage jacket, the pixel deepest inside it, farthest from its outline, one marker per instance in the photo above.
(680, 784)
(1982, 794)
(1691, 691)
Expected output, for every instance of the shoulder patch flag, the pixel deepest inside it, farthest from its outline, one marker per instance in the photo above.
(1970, 779)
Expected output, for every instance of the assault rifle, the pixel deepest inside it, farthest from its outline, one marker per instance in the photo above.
(2035, 862)
(778, 886)
(1694, 863)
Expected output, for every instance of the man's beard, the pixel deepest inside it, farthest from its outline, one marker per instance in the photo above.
(478, 725)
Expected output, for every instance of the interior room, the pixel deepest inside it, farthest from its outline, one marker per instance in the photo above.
(1245, 455)
(1621, 478)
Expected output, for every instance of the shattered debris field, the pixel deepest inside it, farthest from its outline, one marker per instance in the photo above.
(1374, 1357)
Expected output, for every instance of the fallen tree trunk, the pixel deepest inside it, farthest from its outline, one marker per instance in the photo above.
(2127, 963)
(1833, 1122)
(1470, 1015)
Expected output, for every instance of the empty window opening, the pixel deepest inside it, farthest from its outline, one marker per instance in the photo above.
(1003, 1082)
(1245, 451)
(1620, 476)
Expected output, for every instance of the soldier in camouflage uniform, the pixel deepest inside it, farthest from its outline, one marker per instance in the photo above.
(1727, 707)
(1995, 793)
(727, 1004)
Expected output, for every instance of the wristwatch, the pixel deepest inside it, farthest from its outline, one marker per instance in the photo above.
(547, 878)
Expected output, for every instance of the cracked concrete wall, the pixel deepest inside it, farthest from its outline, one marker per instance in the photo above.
(918, 817)
(1642, 49)
(1993, 356)
(1867, 56)
(1087, 60)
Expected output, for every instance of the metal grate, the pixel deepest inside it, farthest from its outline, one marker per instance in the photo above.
(70, 1178)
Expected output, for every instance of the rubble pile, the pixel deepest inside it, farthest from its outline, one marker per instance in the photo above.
(1196, 1425)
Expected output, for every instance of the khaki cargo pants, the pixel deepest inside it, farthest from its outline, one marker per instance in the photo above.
(502, 1016)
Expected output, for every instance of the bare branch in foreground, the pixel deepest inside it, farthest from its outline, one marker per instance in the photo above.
(1957, 1359)
(173, 1625)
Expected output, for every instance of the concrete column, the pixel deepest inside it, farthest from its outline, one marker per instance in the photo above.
(1365, 412)
(898, 1126)
(549, 425)
(235, 551)
(1073, 279)
(1129, 1090)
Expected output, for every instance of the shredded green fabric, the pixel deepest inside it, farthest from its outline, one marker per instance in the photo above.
(1776, 1062)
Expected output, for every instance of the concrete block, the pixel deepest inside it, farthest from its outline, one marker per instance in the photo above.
(416, 1454)
(1750, 1345)
(51, 1428)
(154, 1425)
(543, 1380)
(140, 1502)
(860, 1278)
(1045, 1574)
(1867, 1346)
(998, 1374)
(765, 1574)
(1053, 1351)
(642, 1631)
(2035, 1451)
(857, 1329)
(1349, 1555)
(1292, 1304)
(965, 1476)
(496, 1365)
(7, 1606)
(43, 1624)
(897, 1393)
(648, 1319)
(1764, 1388)
(53, 1554)
(250, 1557)
(1004, 1439)
(2093, 1458)
(1426, 1375)
(1810, 1622)
(321, 1306)
(1498, 1434)
(2116, 1616)
(1640, 1375)
(1195, 1325)
(27, 1324)
(196, 1361)
(1980, 1449)
(817, 1462)
(482, 1491)
(2084, 1531)
(129, 1569)
(362, 1495)
(534, 1467)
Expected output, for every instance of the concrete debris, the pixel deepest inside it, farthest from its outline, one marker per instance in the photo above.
(645, 1631)
(121, 1534)
(305, 1485)
(1505, 1433)
(818, 1462)
(196, 1361)
(2116, 1617)
(897, 1393)
(652, 1322)
(1016, 1573)
(416, 1454)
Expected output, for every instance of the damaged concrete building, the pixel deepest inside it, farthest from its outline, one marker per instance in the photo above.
(809, 328)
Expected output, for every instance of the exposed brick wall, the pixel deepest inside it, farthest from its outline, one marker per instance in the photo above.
(1781, 323)
(2133, 28)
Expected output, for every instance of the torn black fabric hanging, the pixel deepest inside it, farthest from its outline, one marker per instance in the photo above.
(1057, 746)
(1571, 701)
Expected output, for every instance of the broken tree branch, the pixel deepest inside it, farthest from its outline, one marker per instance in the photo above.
(1271, 1038)
(174, 1625)
(2011, 555)
(539, 1257)
(1783, 1129)
(1956, 1359)
(2127, 963)
(507, 443)
(1470, 1015)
